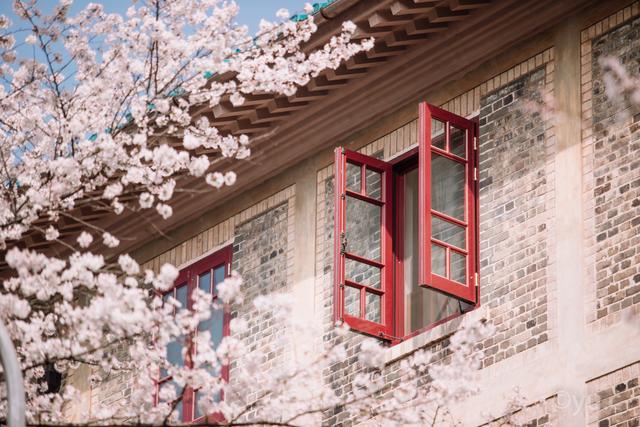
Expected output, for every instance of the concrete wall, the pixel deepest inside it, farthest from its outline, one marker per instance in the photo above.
(559, 232)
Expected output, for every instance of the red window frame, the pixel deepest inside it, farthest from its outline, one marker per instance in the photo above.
(467, 291)
(341, 253)
(189, 276)
(391, 239)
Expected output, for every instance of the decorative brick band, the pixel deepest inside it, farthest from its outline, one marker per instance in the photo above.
(539, 414)
(613, 398)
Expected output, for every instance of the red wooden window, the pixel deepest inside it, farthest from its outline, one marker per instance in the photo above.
(205, 274)
(405, 245)
(447, 202)
(363, 248)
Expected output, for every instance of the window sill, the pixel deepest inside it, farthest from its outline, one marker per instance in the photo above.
(432, 335)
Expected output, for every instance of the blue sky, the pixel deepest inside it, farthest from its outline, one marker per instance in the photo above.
(250, 10)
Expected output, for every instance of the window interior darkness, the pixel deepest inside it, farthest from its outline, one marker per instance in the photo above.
(422, 306)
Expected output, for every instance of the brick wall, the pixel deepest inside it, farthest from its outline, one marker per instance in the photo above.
(260, 256)
(611, 142)
(614, 399)
(516, 207)
(114, 388)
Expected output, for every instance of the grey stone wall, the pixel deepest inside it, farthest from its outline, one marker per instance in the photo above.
(515, 211)
(616, 180)
(618, 405)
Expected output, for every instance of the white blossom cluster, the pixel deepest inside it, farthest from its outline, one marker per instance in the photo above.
(110, 107)
(298, 394)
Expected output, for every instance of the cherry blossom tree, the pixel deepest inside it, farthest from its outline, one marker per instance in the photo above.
(106, 107)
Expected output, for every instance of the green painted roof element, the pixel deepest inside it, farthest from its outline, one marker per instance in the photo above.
(317, 7)
(298, 17)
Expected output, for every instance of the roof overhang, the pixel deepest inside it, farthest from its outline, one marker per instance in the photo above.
(420, 44)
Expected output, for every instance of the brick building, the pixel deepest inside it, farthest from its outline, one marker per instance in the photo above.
(514, 192)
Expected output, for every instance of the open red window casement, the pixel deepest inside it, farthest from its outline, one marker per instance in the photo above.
(363, 243)
(447, 203)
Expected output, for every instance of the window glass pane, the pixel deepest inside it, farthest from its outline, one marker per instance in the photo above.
(214, 325)
(181, 296)
(352, 301)
(458, 267)
(214, 371)
(457, 144)
(363, 228)
(437, 134)
(178, 410)
(196, 409)
(373, 308)
(438, 260)
(373, 183)
(174, 348)
(362, 273)
(174, 353)
(448, 232)
(204, 282)
(218, 276)
(163, 373)
(412, 290)
(447, 186)
(422, 306)
(353, 177)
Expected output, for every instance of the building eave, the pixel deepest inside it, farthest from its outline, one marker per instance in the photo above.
(420, 45)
